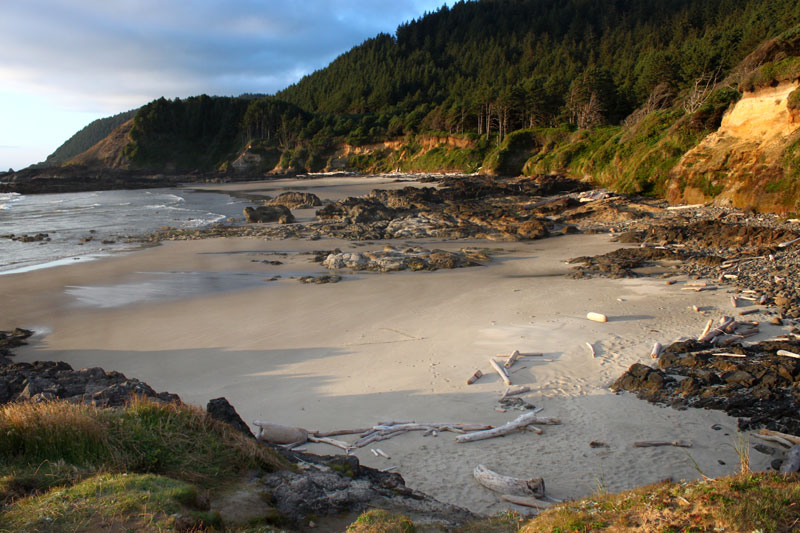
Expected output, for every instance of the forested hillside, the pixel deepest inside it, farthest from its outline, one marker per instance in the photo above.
(501, 65)
(87, 137)
(618, 91)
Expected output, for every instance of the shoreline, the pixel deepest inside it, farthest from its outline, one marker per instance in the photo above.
(286, 371)
(400, 345)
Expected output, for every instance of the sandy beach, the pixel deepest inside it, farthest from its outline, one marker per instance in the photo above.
(395, 346)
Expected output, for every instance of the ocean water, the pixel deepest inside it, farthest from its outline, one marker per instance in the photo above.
(87, 225)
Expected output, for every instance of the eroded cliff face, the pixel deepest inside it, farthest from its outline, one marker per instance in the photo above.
(744, 163)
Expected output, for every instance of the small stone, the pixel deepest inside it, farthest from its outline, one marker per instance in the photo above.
(716, 427)
(766, 450)
(775, 321)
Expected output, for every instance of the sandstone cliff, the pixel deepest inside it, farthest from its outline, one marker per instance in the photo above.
(750, 161)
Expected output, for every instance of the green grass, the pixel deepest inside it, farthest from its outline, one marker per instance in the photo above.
(71, 467)
(379, 521)
(793, 101)
(175, 440)
(132, 502)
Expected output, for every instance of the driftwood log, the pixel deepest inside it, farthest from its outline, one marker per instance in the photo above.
(512, 359)
(280, 434)
(509, 485)
(786, 353)
(510, 427)
(656, 351)
(597, 317)
(474, 377)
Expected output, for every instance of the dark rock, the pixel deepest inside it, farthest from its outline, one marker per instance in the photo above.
(775, 464)
(766, 450)
(268, 213)
(296, 200)
(220, 409)
(326, 486)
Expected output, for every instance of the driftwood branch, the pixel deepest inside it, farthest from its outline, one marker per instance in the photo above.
(499, 369)
(515, 425)
(786, 353)
(515, 391)
(509, 485)
(653, 443)
(526, 501)
(790, 438)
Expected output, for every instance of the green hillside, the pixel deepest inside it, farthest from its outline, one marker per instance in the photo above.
(614, 90)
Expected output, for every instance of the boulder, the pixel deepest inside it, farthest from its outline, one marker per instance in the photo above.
(296, 200)
(268, 213)
(220, 409)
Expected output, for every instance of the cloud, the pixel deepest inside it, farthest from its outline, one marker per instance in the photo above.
(106, 56)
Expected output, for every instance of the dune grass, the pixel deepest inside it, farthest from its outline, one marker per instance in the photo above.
(148, 466)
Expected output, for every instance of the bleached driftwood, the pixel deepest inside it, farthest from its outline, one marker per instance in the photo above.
(788, 243)
(499, 369)
(749, 312)
(792, 462)
(280, 434)
(653, 443)
(509, 427)
(333, 442)
(526, 501)
(508, 485)
(734, 302)
(474, 377)
(515, 391)
(772, 438)
(725, 354)
(714, 332)
(707, 328)
(656, 351)
(789, 438)
(695, 309)
(597, 317)
(382, 453)
(512, 359)
(338, 432)
(786, 353)
(591, 349)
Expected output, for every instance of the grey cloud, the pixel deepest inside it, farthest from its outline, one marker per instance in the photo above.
(124, 52)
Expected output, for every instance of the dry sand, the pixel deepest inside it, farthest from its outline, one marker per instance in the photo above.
(398, 346)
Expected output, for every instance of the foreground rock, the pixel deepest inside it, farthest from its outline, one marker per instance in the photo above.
(761, 389)
(327, 486)
(416, 258)
(49, 380)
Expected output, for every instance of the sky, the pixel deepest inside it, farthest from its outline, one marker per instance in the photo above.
(65, 63)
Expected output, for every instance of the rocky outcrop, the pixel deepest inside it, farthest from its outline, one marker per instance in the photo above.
(327, 486)
(761, 388)
(743, 164)
(268, 213)
(220, 409)
(48, 380)
(391, 260)
(357, 210)
(296, 200)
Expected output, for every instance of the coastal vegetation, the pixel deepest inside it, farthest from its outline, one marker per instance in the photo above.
(615, 92)
(66, 466)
